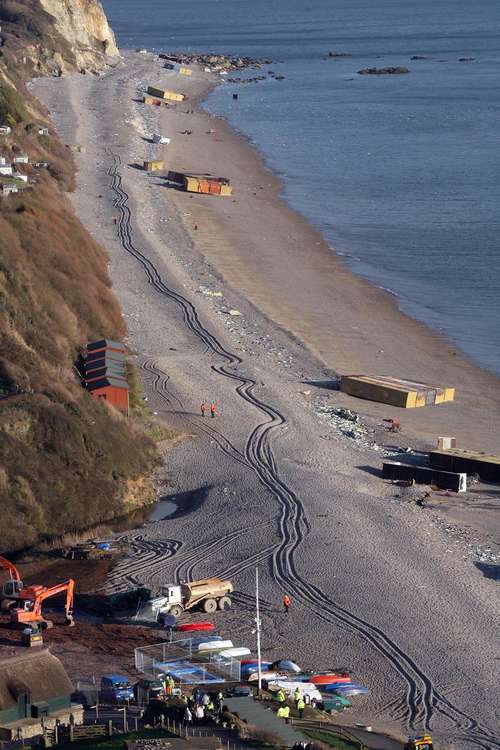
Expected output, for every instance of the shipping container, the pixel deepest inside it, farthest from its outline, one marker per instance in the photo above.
(406, 394)
(445, 480)
(207, 185)
(112, 390)
(472, 462)
(151, 100)
(154, 166)
(164, 94)
(108, 344)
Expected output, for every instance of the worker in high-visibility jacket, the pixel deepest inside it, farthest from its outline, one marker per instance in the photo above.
(281, 697)
(301, 704)
(283, 711)
(297, 695)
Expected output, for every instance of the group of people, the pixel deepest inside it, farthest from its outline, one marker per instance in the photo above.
(284, 709)
(213, 409)
(200, 706)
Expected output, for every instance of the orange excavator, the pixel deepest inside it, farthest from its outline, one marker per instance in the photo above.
(25, 602)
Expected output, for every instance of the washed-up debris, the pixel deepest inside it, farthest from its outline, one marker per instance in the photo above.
(234, 313)
(348, 414)
(210, 292)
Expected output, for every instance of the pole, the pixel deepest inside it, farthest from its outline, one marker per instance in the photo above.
(257, 622)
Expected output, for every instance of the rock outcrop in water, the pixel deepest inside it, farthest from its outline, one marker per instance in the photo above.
(383, 71)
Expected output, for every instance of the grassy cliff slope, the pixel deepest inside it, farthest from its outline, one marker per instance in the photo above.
(66, 461)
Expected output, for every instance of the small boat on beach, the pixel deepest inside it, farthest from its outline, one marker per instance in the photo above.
(328, 679)
(192, 627)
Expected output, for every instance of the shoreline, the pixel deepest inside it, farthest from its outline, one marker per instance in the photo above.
(283, 488)
(408, 348)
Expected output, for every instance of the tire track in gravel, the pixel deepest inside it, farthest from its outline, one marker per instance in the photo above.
(423, 699)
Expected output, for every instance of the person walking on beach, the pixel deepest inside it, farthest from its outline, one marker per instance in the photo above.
(213, 409)
(203, 407)
(286, 603)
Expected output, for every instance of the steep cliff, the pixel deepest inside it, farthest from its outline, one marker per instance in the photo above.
(67, 462)
(50, 36)
(84, 26)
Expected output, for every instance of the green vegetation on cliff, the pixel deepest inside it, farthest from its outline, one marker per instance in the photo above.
(67, 462)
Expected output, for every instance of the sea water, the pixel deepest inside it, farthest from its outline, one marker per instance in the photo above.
(401, 173)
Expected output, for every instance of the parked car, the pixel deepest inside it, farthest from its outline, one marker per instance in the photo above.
(116, 688)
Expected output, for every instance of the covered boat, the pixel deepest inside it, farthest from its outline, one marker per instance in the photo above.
(328, 679)
(231, 653)
(267, 675)
(214, 645)
(191, 627)
(347, 690)
(286, 665)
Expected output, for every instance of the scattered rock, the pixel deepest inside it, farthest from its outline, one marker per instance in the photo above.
(234, 313)
(391, 71)
(351, 416)
(215, 62)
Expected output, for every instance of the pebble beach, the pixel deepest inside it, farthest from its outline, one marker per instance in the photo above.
(221, 305)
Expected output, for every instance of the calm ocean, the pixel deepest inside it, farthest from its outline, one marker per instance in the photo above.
(401, 173)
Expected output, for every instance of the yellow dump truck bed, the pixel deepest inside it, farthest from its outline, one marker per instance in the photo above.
(206, 587)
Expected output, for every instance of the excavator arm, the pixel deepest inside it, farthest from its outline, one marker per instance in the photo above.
(10, 568)
(68, 587)
(32, 611)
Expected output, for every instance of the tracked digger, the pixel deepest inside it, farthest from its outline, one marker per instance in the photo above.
(25, 602)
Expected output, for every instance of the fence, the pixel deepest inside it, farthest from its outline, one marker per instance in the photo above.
(186, 664)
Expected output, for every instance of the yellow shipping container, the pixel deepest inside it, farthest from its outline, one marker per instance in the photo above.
(185, 71)
(173, 96)
(154, 166)
(394, 391)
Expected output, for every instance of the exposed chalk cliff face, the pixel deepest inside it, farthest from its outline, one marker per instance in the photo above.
(49, 36)
(84, 25)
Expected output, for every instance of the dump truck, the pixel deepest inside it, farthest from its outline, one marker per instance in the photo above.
(424, 742)
(209, 593)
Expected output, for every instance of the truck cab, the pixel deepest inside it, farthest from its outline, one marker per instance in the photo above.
(12, 589)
